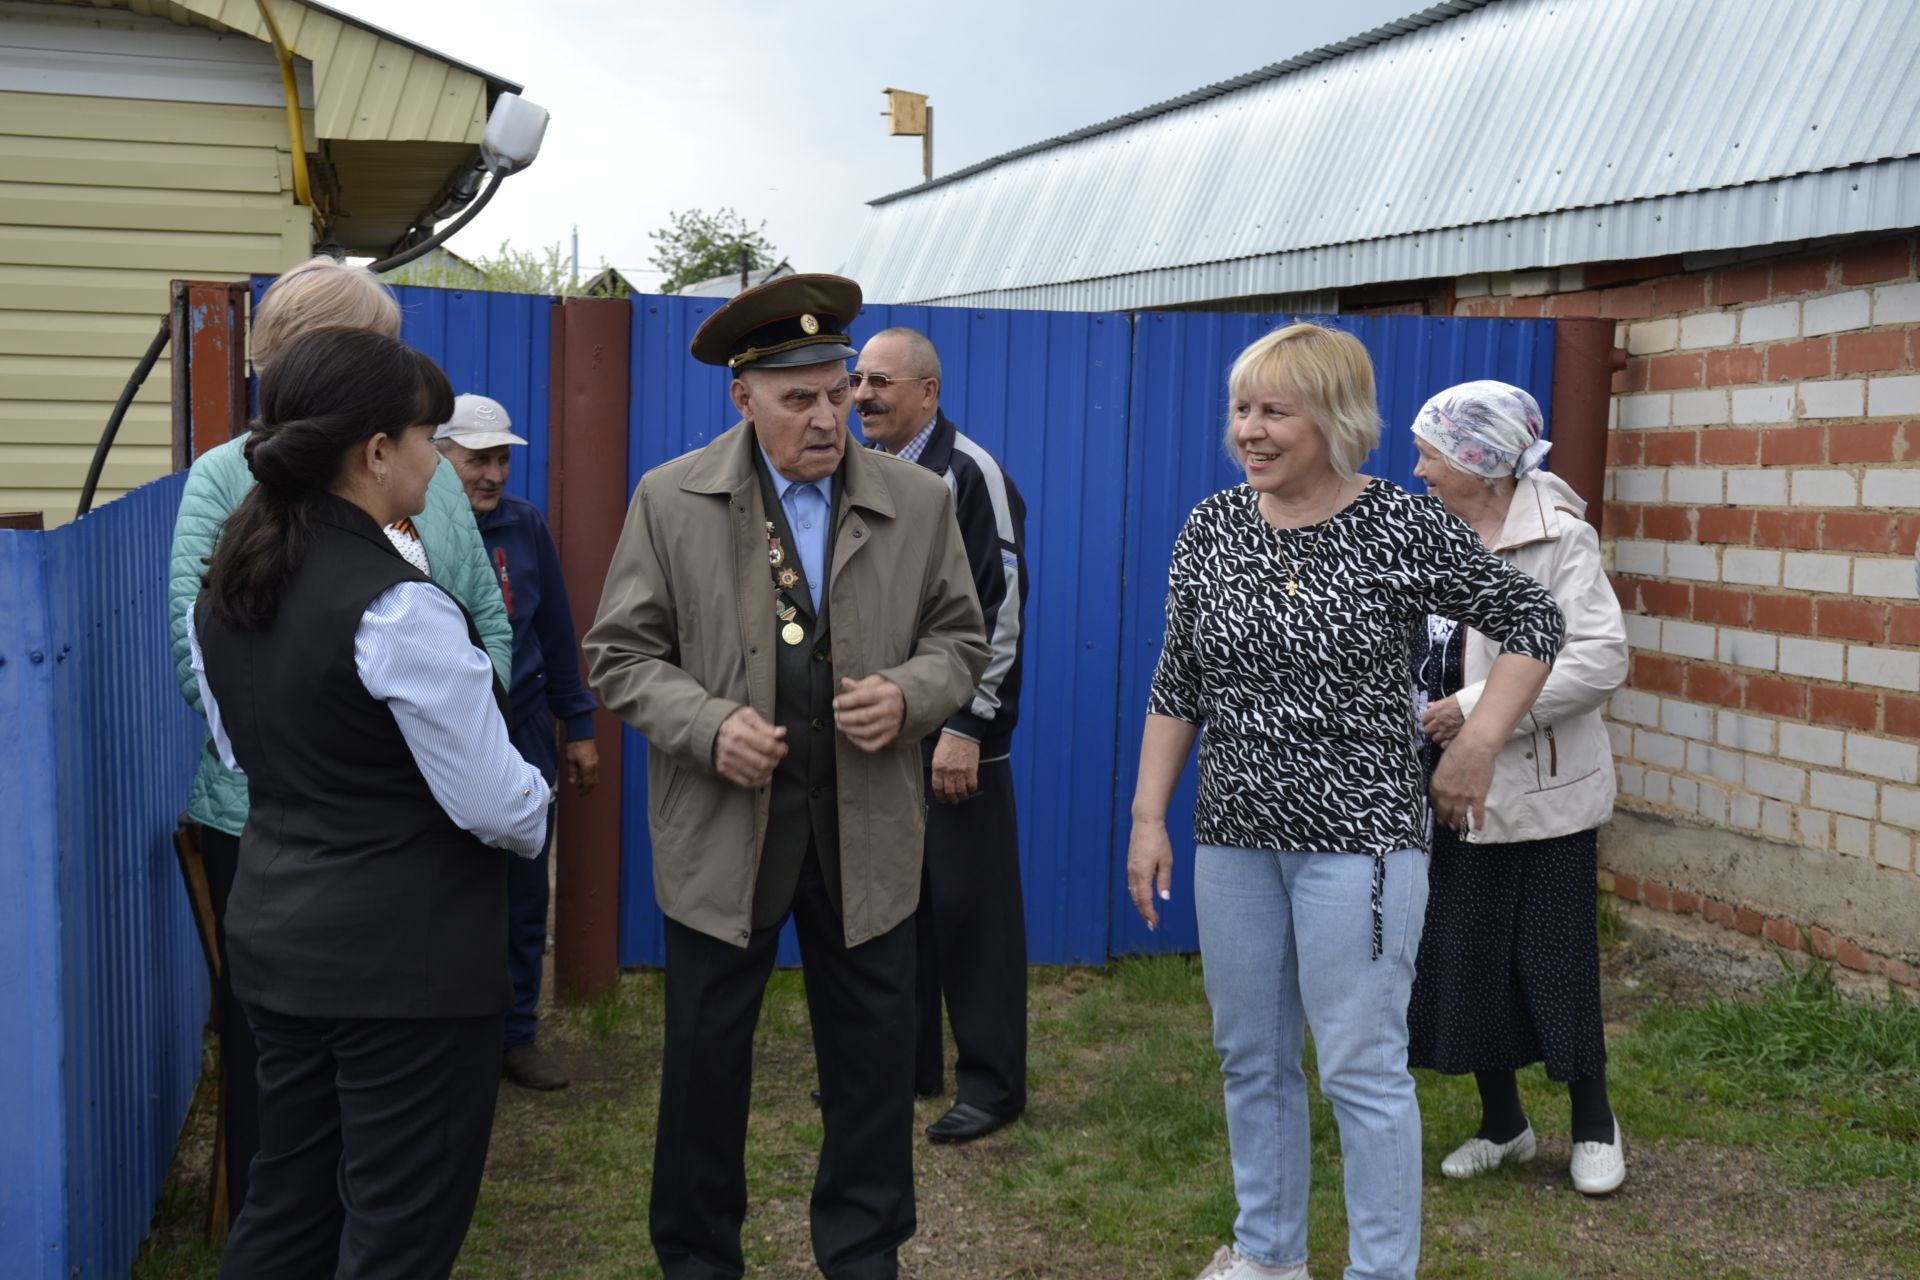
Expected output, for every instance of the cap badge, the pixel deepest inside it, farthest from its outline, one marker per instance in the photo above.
(809, 325)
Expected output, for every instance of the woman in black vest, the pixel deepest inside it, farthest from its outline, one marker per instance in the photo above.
(366, 933)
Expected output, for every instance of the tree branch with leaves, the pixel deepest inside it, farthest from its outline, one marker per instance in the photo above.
(696, 245)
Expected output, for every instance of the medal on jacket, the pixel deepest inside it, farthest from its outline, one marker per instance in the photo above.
(785, 579)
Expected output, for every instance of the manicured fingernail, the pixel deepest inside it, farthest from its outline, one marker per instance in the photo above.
(1165, 894)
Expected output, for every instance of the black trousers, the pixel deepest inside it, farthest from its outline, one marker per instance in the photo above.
(240, 1092)
(860, 1002)
(972, 942)
(373, 1136)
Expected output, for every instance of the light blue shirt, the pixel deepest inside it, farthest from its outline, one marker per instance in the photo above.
(412, 653)
(809, 506)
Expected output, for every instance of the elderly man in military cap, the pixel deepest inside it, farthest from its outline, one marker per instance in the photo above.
(785, 619)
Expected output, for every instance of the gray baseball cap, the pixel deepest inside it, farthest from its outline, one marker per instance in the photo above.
(477, 423)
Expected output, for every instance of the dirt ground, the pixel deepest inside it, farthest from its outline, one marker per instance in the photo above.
(1689, 1208)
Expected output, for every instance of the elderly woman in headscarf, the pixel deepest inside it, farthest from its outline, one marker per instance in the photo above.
(1509, 969)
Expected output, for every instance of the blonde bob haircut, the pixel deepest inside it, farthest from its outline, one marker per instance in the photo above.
(1333, 377)
(321, 293)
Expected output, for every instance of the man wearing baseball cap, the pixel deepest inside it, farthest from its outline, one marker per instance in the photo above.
(785, 619)
(478, 441)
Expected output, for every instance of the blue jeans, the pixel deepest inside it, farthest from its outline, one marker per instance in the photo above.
(1287, 943)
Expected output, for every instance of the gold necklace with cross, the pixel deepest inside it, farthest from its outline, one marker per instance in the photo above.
(1293, 577)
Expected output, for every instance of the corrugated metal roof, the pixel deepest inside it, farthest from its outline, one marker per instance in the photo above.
(1471, 136)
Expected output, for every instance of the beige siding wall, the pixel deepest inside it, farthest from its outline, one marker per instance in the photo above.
(102, 202)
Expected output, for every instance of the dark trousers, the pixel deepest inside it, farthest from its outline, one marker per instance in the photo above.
(529, 888)
(972, 941)
(860, 1001)
(239, 1091)
(373, 1136)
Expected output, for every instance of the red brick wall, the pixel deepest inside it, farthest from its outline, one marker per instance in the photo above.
(1763, 507)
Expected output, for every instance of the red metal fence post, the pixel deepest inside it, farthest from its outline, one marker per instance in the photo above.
(1584, 360)
(587, 504)
(209, 365)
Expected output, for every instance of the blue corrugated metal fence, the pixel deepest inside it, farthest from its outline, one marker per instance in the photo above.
(1177, 456)
(107, 991)
(1112, 427)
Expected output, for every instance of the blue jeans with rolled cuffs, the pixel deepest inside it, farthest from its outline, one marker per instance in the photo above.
(1287, 941)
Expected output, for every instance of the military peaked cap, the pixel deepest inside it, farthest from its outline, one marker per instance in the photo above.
(794, 320)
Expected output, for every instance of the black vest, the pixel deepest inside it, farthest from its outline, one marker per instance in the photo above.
(805, 803)
(356, 896)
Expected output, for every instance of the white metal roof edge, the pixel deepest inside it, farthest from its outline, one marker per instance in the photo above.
(1883, 196)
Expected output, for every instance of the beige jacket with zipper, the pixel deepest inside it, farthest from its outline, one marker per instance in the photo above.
(685, 636)
(1555, 777)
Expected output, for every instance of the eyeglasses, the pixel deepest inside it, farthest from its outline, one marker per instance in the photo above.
(879, 381)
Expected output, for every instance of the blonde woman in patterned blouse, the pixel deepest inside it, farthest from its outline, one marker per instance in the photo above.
(1291, 607)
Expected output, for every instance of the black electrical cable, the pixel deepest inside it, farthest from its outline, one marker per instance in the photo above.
(438, 238)
(140, 372)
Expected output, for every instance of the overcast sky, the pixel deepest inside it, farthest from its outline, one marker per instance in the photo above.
(775, 108)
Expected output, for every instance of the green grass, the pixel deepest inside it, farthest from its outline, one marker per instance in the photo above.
(1767, 1131)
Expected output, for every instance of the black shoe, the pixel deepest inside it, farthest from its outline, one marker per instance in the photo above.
(964, 1122)
(529, 1068)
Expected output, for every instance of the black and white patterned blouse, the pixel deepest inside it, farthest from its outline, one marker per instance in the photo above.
(1309, 743)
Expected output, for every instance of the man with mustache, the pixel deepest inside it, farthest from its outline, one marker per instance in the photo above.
(546, 687)
(784, 619)
(971, 924)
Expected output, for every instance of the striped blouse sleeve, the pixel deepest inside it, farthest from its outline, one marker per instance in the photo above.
(1453, 574)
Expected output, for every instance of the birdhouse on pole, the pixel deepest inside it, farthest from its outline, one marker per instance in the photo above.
(908, 115)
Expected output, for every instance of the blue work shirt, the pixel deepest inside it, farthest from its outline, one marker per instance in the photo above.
(546, 652)
(807, 515)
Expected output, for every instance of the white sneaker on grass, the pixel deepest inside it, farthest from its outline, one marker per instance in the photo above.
(1476, 1155)
(1229, 1265)
(1599, 1167)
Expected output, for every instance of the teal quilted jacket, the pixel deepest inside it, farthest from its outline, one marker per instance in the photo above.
(214, 488)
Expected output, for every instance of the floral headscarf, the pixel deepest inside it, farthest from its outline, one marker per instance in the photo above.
(1487, 428)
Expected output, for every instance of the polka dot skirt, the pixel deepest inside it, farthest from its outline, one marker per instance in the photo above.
(1509, 965)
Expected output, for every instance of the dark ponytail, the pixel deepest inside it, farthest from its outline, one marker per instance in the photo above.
(326, 394)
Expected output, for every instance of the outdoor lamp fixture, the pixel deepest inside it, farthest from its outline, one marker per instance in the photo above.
(515, 128)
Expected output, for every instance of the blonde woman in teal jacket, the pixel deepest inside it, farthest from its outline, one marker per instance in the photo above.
(442, 540)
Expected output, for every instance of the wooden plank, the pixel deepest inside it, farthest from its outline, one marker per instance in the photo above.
(53, 333)
(97, 162)
(420, 94)
(96, 379)
(29, 204)
(461, 110)
(53, 115)
(184, 253)
(32, 466)
(342, 82)
(84, 289)
(79, 423)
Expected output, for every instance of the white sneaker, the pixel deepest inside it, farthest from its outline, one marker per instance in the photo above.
(1476, 1155)
(1229, 1265)
(1599, 1167)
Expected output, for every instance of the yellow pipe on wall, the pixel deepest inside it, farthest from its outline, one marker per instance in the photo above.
(302, 185)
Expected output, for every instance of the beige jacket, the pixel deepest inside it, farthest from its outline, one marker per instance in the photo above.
(685, 635)
(1555, 777)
